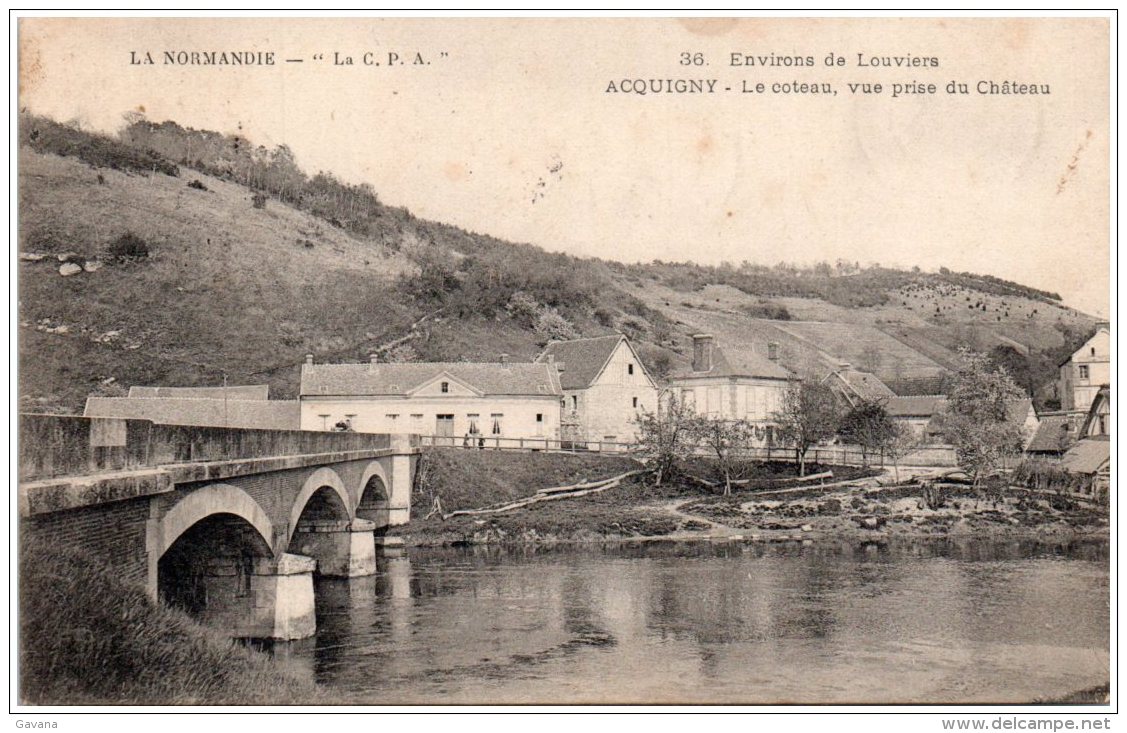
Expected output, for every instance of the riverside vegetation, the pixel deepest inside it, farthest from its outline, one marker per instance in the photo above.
(87, 637)
(764, 505)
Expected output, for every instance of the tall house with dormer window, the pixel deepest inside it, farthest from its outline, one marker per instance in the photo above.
(1088, 369)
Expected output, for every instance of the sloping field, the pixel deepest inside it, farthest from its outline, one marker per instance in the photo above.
(227, 287)
(864, 347)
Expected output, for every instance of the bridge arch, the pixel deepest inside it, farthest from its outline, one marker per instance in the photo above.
(373, 497)
(213, 543)
(319, 479)
(212, 500)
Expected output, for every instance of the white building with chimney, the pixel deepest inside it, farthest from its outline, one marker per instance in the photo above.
(734, 384)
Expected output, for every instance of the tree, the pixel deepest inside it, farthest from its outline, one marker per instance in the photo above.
(900, 442)
(867, 425)
(810, 415)
(977, 423)
(1016, 364)
(666, 437)
(726, 440)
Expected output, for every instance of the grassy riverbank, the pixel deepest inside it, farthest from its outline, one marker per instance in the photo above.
(89, 638)
(855, 503)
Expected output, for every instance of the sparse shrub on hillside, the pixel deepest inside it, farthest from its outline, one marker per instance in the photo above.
(196, 184)
(128, 247)
(258, 200)
(551, 326)
(603, 317)
(402, 353)
(48, 136)
(768, 310)
(523, 308)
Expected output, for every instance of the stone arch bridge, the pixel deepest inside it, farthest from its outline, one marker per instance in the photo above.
(229, 524)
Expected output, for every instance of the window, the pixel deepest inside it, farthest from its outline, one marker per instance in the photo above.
(635, 399)
(473, 418)
(445, 387)
(575, 402)
(539, 417)
(629, 368)
(391, 416)
(1093, 351)
(496, 417)
(1083, 371)
(444, 425)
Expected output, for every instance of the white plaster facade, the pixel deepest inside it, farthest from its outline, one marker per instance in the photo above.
(1088, 369)
(733, 385)
(452, 400)
(605, 388)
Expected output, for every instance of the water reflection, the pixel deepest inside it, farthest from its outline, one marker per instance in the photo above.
(945, 621)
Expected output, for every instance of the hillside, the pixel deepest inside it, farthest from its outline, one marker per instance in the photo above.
(192, 267)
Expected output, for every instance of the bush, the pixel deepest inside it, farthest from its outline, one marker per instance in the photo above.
(770, 311)
(87, 636)
(196, 184)
(128, 247)
(258, 200)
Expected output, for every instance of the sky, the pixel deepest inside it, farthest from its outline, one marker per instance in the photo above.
(519, 128)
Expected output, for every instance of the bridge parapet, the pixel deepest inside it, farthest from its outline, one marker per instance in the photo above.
(64, 445)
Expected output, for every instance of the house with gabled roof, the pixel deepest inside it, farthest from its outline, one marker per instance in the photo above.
(924, 416)
(458, 402)
(1086, 370)
(605, 387)
(853, 386)
(734, 384)
(1055, 434)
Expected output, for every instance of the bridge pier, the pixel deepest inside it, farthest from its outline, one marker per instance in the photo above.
(260, 598)
(341, 549)
(399, 503)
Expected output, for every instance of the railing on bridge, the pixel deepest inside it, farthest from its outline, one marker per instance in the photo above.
(61, 445)
(554, 445)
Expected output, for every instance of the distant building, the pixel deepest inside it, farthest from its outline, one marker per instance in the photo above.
(734, 384)
(245, 407)
(456, 401)
(233, 392)
(923, 415)
(1086, 370)
(919, 413)
(1099, 422)
(1055, 434)
(852, 386)
(605, 387)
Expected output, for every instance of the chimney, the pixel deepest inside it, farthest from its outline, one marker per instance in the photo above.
(844, 366)
(702, 352)
(773, 351)
(373, 358)
(309, 359)
(504, 359)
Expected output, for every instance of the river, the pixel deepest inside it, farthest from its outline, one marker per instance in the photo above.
(914, 622)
